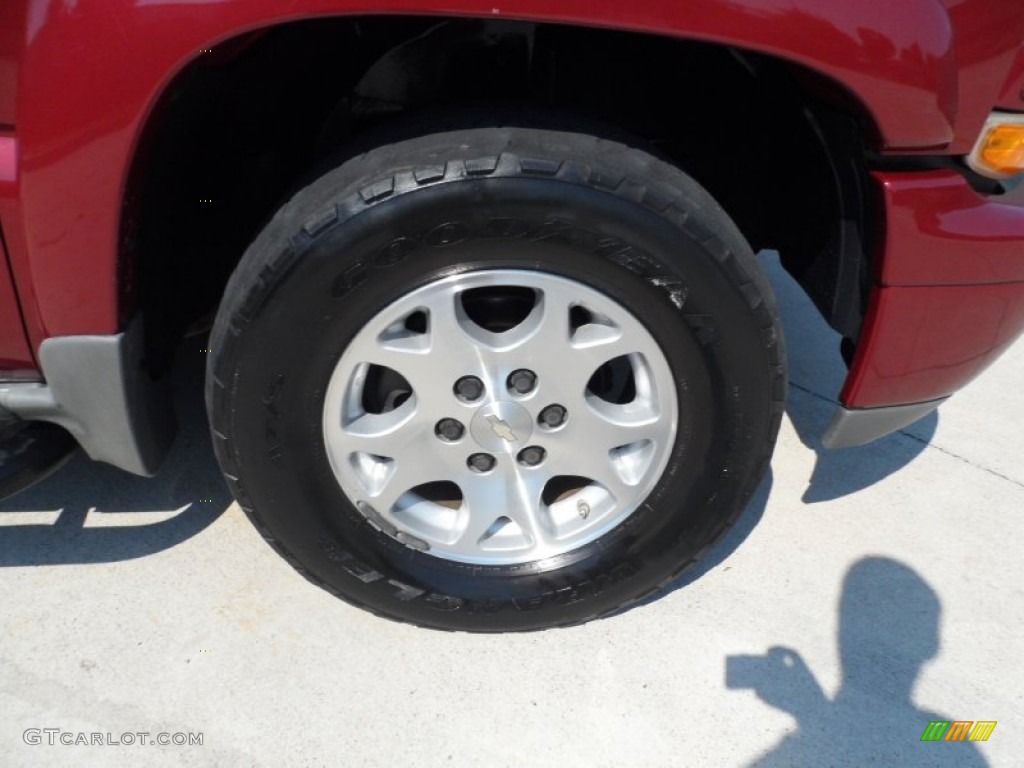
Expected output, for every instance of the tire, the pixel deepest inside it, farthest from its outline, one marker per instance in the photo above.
(349, 328)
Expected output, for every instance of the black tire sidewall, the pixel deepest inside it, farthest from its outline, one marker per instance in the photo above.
(284, 343)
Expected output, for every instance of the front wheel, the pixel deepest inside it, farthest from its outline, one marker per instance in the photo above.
(496, 378)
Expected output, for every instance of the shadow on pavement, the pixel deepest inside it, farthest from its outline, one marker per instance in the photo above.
(106, 515)
(888, 628)
(817, 372)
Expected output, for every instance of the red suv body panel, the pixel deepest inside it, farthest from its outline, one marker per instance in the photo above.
(15, 354)
(950, 292)
(924, 73)
(1012, 95)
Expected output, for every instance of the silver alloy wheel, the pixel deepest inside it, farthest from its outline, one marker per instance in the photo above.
(509, 486)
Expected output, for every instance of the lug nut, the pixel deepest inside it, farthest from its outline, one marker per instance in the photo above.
(531, 455)
(553, 416)
(522, 381)
(481, 462)
(449, 429)
(469, 388)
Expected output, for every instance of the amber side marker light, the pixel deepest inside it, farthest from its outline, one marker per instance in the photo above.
(999, 152)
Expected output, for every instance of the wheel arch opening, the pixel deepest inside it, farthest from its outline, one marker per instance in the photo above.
(237, 130)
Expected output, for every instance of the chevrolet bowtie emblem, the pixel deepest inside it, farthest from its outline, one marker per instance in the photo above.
(501, 429)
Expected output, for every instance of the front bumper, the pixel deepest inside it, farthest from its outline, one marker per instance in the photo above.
(948, 300)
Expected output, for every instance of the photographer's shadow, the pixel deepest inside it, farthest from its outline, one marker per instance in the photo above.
(888, 629)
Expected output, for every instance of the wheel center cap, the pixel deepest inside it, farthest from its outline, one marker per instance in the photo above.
(501, 427)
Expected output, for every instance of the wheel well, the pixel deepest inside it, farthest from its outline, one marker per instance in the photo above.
(777, 146)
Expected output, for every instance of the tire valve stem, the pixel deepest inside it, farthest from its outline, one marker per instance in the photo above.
(583, 508)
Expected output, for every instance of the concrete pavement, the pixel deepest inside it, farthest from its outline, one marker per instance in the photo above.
(887, 579)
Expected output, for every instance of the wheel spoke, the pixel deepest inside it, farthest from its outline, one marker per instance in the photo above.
(374, 426)
(409, 473)
(544, 338)
(351, 429)
(567, 357)
(525, 488)
(425, 372)
(425, 360)
(508, 493)
(452, 347)
(483, 506)
(608, 425)
(592, 463)
(599, 468)
(416, 458)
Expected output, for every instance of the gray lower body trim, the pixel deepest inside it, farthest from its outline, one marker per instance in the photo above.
(97, 389)
(860, 426)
